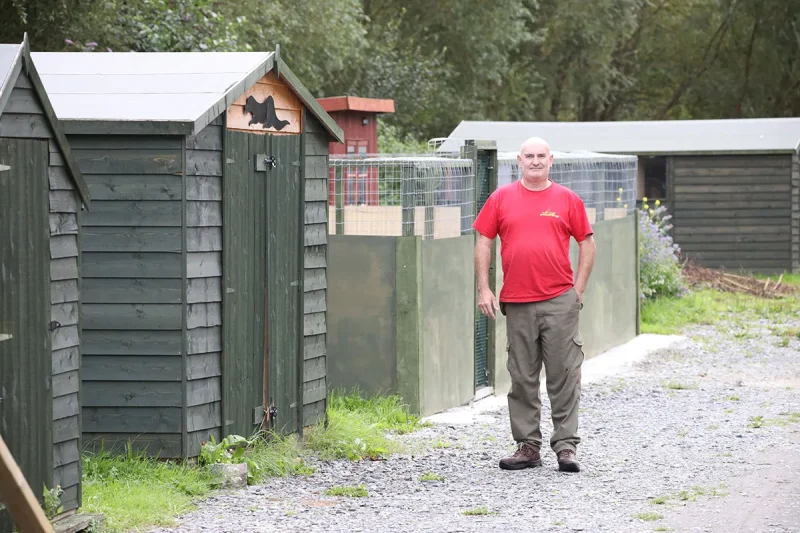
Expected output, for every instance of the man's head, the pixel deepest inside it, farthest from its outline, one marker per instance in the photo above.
(535, 159)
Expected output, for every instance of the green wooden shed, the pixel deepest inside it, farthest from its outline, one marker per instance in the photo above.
(204, 255)
(41, 196)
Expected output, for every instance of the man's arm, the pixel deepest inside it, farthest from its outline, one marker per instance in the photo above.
(487, 303)
(586, 252)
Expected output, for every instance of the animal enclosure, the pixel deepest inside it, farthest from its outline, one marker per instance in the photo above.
(424, 195)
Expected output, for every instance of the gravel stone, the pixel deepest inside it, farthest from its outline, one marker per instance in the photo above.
(674, 432)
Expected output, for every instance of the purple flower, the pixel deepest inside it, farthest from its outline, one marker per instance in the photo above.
(68, 41)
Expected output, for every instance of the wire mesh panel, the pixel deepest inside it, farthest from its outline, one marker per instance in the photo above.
(606, 183)
(424, 195)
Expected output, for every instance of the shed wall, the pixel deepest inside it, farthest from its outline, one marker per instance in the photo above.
(132, 275)
(315, 280)
(204, 168)
(24, 117)
(733, 212)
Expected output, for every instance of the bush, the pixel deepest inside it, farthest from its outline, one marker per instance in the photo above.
(659, 257)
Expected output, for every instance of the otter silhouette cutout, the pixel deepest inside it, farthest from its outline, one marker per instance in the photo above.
(264, 113)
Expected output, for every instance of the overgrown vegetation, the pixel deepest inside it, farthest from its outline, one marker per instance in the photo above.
(133, 490)
(659, 266)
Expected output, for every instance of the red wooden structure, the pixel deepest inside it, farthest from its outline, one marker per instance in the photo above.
(358, 118)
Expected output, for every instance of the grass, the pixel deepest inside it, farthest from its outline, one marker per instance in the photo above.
(430, 476)
(358, 427)
(677, 385)
(477, 511)
(649, 517)
(669, 316)
(133, 491)
(359, 491)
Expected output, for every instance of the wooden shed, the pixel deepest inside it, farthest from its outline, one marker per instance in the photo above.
(41, 195)
(204, 255)
(732, 186)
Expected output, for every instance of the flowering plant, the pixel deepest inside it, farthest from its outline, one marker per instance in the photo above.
(659, 256)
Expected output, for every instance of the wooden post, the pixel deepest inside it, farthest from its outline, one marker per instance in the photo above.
(18, 498)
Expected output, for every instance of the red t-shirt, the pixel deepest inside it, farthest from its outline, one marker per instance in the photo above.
(534, 229)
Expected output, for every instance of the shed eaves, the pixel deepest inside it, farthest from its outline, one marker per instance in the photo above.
(16, 59)
(185, 89)
(725, 136)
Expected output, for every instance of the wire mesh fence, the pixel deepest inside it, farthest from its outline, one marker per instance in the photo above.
(392, 195)
(606, 183)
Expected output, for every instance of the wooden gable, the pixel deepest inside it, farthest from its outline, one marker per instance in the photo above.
(270, 106)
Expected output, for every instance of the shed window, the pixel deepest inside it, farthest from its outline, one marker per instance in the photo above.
(655, 177)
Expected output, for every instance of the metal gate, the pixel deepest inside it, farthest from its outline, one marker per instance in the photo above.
(482, 191)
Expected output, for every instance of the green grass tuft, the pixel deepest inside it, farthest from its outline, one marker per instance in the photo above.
(277, 455)
(349, 492)
(134, 491)
(648, 517)
(477, 511)
(357, 427)
(430, 476)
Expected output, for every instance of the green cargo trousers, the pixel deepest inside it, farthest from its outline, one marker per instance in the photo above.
(545, 332)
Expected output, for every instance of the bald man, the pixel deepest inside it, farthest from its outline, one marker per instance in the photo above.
(541, 299)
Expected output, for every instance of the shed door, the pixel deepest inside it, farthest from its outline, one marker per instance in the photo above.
(26, 405)
(262, 250)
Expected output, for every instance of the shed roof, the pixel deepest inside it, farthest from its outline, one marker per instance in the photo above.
(159, 92)
(663, 137)
(14, 59)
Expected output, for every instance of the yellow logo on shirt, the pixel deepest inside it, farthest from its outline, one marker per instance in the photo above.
(549, 213)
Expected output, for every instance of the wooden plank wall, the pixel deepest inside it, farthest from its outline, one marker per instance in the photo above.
(204, 158)
(24, 117)
(796, 213)
(733, 212)
(133, 292)
(315, 141)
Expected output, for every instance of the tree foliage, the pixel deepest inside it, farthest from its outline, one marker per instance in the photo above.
(456, 60)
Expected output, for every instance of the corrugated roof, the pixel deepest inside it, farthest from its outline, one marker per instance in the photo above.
(182, 90)
(769, 135)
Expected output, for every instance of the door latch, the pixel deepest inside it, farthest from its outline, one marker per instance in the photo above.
(264, 162)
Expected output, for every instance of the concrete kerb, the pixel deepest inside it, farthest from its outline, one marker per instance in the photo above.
(617, 361)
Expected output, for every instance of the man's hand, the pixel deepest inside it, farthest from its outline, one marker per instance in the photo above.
(487, 303)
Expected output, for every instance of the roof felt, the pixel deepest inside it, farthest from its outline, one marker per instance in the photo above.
(186, 89)
(16, 59)
(8, 58)
(770, 135)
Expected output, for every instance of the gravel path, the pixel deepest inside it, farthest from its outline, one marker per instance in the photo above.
(664, 447)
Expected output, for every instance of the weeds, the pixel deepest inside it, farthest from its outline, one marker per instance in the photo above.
(134, 491)
(430, 476)
(357, 427)
(649, 516)
(677, 385)
(359, 491)
(477, 511)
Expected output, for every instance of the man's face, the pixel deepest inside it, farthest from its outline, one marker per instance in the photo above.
(535, 160)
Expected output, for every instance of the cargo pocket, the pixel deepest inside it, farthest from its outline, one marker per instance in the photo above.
(577, 339)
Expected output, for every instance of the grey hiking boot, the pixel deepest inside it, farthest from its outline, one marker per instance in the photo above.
(567, 462)
(526, 456)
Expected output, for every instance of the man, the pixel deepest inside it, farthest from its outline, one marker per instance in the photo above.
(535, 218)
